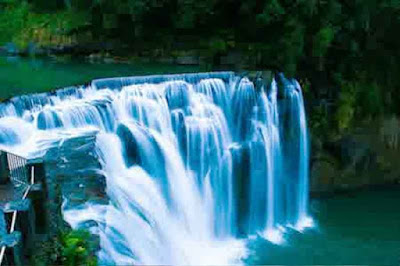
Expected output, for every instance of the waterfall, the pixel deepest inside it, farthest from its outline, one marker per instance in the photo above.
(194, 163)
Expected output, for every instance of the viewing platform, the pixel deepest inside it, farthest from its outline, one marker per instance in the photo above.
(21, 196)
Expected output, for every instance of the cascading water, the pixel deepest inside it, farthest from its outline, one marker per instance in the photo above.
(193, 162)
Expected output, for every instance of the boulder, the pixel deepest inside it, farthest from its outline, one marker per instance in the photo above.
(231, 59)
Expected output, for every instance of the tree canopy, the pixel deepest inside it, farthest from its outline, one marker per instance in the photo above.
(342, 38)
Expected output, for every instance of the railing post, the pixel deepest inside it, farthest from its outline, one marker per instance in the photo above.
(37, 195)
(4, 169)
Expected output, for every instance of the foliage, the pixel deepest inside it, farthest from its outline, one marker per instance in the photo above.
(322, 40)
(77, 249)
(12, 19)
(319, 121)
(370, 103)
(217, 45)
(346, 106)
(68, 248)
(293, 45)
(272, 12)
(18, 24)
(302, 37)
(359, 97)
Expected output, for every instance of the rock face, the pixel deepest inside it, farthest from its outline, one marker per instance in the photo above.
(390, 132)
(323, 174)
(187, 60)
(72, 176)
(365, 157)
(11, 48)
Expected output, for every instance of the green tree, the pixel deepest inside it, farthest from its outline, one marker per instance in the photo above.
(272, 12)
(321, 42)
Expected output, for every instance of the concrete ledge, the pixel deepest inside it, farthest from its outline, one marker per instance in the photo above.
(10, 240)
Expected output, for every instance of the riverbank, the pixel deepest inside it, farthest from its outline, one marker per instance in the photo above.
(237, 59)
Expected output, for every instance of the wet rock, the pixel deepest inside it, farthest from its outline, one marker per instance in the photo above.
(11, 48)
(73, 176)
(352, 151)
(129, 144)
(231, 58)
(390, 132)
(10, 240)
(33, 50)
(187, 60)
(261, 79)
(322, 175)
(17, 205)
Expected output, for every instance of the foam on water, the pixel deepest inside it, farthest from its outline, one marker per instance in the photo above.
(194, 163)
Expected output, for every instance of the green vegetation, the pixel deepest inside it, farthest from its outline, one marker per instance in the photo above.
(318, 121)
(303, 38)
(346, 106)
(71, 248)
(18, 24)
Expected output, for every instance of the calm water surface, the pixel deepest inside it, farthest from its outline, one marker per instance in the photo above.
(24, 75)
(357, 229)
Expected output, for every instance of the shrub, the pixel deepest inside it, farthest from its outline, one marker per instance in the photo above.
(70, 248)
(318, 121)
(346, 106)
(359, 98)
(370, 99)
(77, 248)
(18, 24)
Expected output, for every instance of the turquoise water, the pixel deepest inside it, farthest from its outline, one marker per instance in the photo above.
(356, 229)
(24, 75)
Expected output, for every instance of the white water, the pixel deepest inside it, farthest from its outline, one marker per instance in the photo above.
(194, 163)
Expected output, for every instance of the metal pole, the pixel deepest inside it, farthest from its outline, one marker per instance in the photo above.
(2, 252)
(14, 217)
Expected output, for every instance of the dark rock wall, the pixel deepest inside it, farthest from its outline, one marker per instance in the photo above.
(367, 156)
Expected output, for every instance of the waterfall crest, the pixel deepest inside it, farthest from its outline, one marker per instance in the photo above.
(194, 163)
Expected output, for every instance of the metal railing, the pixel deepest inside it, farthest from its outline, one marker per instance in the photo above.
(18, 170)
(18, 175)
